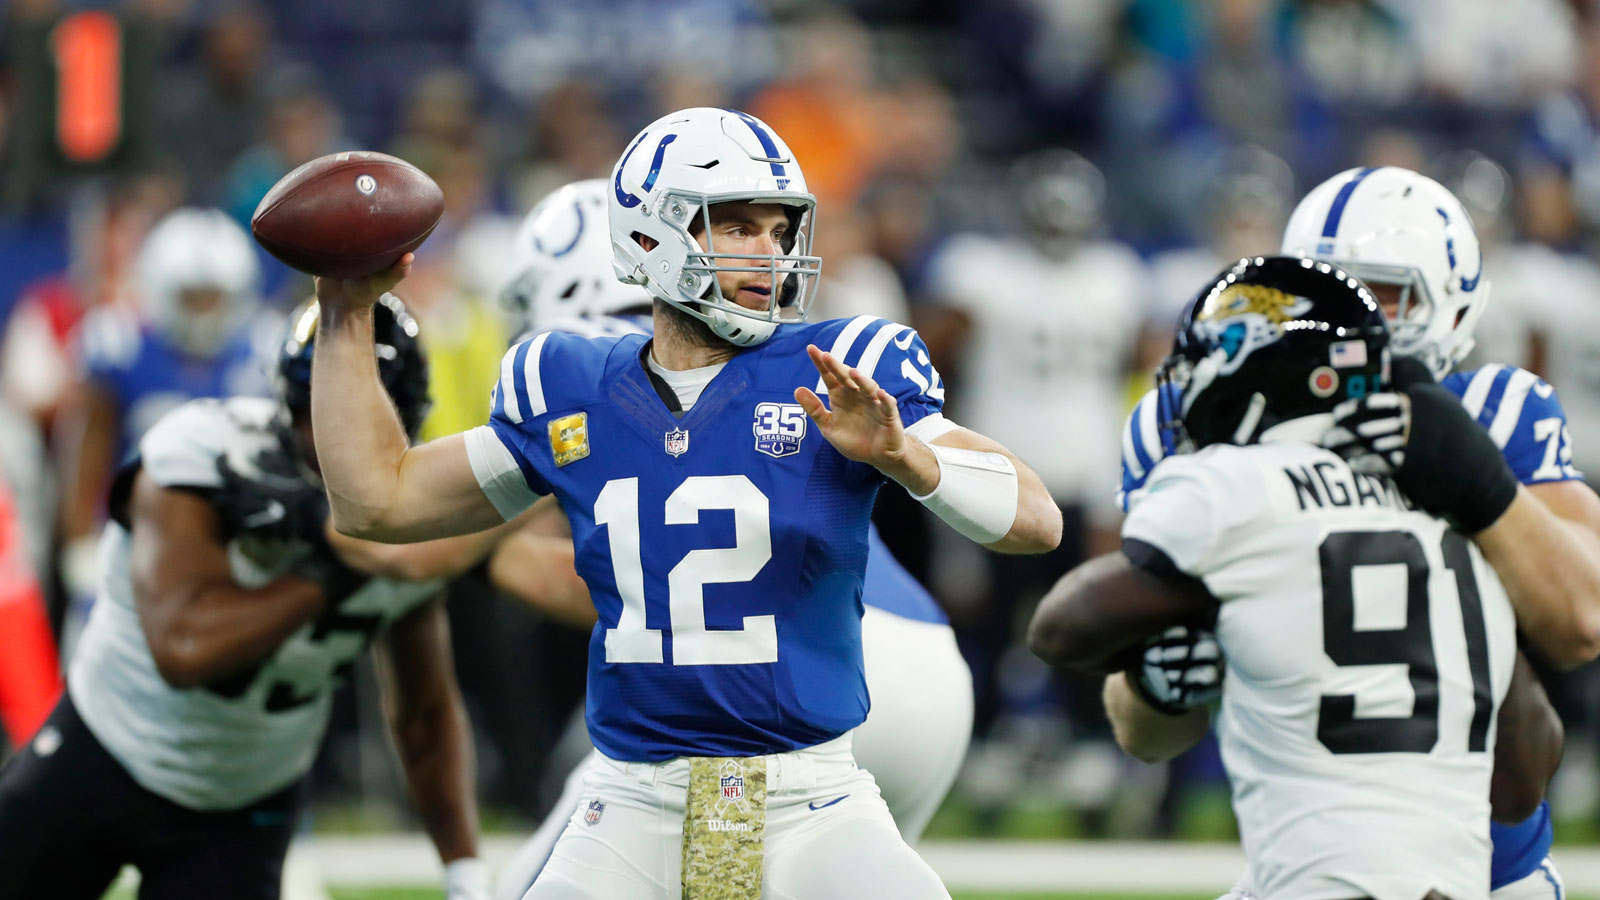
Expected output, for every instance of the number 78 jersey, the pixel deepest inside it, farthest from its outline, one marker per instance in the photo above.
(1368, 647)
(723, 547)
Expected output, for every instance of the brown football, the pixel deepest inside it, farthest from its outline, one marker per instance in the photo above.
(347, 215)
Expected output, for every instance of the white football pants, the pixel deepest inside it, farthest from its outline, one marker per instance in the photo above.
(1544, 883)
(828, 834)
(913, 741)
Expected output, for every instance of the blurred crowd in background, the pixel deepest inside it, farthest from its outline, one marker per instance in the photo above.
(1036, 185)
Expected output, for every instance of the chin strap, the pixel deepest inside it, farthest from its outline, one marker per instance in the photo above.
(1251, 419)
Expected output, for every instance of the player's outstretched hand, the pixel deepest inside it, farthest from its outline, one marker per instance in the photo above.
(361, 293)
(860, 419)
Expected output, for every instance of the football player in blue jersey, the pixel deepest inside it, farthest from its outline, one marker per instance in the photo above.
(719, 510)
(195, 334)
(916, 733)
(1413, 243)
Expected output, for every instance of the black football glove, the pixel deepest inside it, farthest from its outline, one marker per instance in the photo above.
(1438, 454)
(1181, 668)
(267, 497)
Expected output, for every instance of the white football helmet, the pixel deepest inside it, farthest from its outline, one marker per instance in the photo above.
(664, 185)
(563, 261)
(1394, 226)
(192, 250)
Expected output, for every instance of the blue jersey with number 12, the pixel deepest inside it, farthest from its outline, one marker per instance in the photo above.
(1525, 419)
(724, 548)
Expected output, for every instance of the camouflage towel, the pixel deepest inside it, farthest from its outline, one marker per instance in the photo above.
(724, 828)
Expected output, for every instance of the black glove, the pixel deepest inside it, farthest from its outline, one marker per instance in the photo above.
(266, 497)
(1181, 668)
(1438, 454)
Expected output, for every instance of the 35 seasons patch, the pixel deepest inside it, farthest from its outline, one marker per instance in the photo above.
(569, 438)
(724, 828)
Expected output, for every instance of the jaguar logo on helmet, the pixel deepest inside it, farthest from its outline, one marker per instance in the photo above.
(1245, 317)
(1271, 341)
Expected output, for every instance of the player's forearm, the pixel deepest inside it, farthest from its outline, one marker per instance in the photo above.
(538, 570)
(1551, 571)
(435, 746)
(88, 437)
(360, 441)
(214, 630)
(1527, 748)
(1146, 733)
(1034, 519)
(1038, 525)
(441, 558)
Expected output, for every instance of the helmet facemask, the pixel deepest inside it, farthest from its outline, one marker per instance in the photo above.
(792, 274)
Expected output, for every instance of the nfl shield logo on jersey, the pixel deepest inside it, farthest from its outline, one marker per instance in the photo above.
(595, 810)
(678, 442)
(779, 428)
(733, 787)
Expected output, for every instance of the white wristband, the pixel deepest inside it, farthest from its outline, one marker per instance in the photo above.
(466, 879)
(976, 493)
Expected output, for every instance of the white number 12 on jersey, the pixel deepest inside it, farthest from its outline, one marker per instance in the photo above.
(617, 508)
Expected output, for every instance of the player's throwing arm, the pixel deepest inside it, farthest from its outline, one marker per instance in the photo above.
(378, 487)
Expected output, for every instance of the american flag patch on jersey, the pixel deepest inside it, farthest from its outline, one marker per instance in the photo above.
(1345, 354)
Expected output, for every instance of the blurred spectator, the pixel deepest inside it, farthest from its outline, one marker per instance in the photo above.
(1055, 311)
(528, 47)
(572, 137)
(1240, 211)
(855, 282)
(1560, 165)
(828, 100)
(301, 126)
(213, 109)
(1355, 52)
(197, 331)
(36, 359)
(1489, 52)
(461, 330)
(441, 115)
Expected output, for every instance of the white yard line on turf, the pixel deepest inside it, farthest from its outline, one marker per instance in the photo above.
(963, 865)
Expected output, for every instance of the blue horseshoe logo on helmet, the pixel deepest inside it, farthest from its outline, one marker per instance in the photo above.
(1467, 286)
(629, 201)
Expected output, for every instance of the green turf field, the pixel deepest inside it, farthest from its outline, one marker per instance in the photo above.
(416, 894)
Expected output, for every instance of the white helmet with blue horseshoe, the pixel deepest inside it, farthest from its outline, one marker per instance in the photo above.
(563, 261)
(1393, 226)
(662, 189)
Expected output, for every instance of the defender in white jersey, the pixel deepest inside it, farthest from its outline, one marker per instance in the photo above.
(202, 685)
(1415, 246)
(916, 733)
(1369, 645)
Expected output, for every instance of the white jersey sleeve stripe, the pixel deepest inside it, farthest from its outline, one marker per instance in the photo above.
(1130, 459)
(1150, 429)
(507, 389)
(875, 347)
(1510, 409)
(1477, 392)
(843, 343)
(536, 404)
(497, 472)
